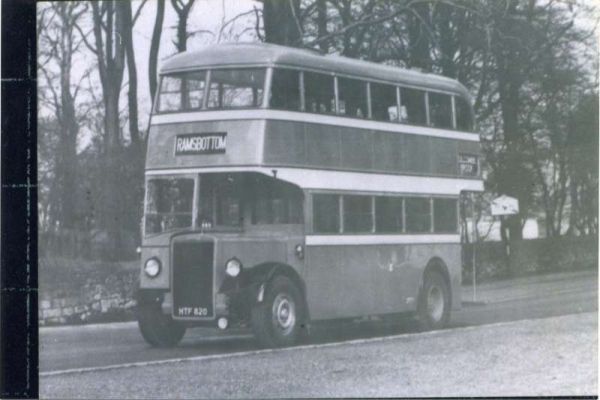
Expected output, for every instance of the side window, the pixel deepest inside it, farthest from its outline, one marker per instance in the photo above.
(388, 211)
(352, 97)
(464, 117)
(444, 215)
(319, 93)
(418, 215)
(358, 214)
(326, 213)
(285, 90)
(383, 102)
(440, 110)
(412, 106)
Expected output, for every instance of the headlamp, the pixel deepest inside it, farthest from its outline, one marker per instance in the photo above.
(152, 267)
(233, 267)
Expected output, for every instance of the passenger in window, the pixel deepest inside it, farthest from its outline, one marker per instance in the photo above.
(319, 93)
(413, 100)
(285, 90)
(383, 102)
(440, 110)
(352, 97)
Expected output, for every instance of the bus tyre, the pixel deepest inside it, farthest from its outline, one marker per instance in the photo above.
(158, 329)
(279, 320)
(433, 309)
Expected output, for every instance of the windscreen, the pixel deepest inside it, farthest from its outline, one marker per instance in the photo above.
(169, 204)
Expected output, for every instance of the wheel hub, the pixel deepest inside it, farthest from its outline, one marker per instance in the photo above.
(284, 313)
(435, 303)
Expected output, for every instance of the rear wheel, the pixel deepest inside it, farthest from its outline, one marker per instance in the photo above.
(158, 329)
(279, 320)
(434, 302)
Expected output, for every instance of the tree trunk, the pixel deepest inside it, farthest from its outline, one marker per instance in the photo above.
(281, 27)
(322, 24)
(154, 47)
(419, 25)
(126, 30)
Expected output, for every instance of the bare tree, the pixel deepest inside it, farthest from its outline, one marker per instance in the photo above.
(109, 48)
(58, 44)
(127, 37)
(182, 8)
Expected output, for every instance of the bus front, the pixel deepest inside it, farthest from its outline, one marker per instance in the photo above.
(216, 224)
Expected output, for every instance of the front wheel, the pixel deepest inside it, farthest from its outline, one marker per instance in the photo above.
(158, 329)
(434, 302)
(279, 320)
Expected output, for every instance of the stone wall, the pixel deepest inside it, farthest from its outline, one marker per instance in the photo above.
(75, 291)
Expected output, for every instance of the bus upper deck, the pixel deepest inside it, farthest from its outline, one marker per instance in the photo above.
(247, 105)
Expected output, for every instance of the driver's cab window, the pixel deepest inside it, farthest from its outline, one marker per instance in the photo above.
(220, 201)
(276, 202)
(233, 200)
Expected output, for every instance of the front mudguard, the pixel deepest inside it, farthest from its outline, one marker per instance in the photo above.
(247, 290)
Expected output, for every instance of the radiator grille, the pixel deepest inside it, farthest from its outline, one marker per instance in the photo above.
(193, 280)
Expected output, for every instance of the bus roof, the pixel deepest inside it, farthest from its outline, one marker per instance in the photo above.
(264, 54)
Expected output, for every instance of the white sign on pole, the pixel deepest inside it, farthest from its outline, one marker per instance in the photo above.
(505, 205)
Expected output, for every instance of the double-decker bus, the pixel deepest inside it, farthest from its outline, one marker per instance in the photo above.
(285, 187)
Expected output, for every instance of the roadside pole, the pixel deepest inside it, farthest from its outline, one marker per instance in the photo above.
(475, 237)
(503, 206)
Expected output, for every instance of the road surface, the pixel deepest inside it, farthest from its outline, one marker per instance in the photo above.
(507, 338)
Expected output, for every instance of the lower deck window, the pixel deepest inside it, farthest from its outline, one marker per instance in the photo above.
(445, 215)
(418, 214)
(358, 214)
(383, 214)
(389, 214)
(326, 213)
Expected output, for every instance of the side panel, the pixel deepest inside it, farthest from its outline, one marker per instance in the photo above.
(356, 280)
(314, 145)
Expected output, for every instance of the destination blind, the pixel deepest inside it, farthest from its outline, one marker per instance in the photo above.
(200, 143)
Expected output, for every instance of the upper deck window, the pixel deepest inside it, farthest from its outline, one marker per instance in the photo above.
(384, 105)
(440, 110)
(464, 118)
(285, 90)
(352, 97)
(182, 91)
(236, 88)
(412, 106)
(319, 93)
